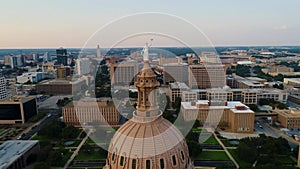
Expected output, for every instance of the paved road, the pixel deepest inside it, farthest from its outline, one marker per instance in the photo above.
(262, 127)
(34, 128)
(77, 150)
(274, 132)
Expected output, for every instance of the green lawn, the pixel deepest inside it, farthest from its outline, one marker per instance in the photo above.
(213, 155)
(242, 164)
(211, 140)
(90, 155)
(63, 159)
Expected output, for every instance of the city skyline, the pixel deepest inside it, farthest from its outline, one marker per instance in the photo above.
(50, 25)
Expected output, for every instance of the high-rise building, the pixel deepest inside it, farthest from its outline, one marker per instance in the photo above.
(14, 61)
(205, 76)
(98, 51)
(83, 66)
(175, 72)
(17, 110)
(3, 92)
(123, 73)
(62, 56)
(147, 140)
(63, 72)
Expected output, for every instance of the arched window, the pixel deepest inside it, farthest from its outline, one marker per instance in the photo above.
(113, 157)
(122, 161)
(174, 160)
(148, 164)
(182, 155)
(162, 163)
(133, 164)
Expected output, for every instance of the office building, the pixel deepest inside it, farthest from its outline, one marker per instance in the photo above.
(18, 154)
(209, 57)
(163, 61)
(30, 77)
(204, 76)
(85, 112)
(82, 66)
(63, 72)
(218, 94)
(232, 116)
(293, 100)
(140, 142)
(98, 51)
(62, 56)
(291, 84)
(3, 91)
(288, 118)
(175, 90)
(123, 73)
(249, 97)
(61, 86)
(175, 72)
(189, 95)
(17, 110)
(14, 61)
(48, 67)
(281, 69)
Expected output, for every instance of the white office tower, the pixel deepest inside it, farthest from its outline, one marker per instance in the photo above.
(3, 92)
(13, 61)
(82, 66)
(98, 51)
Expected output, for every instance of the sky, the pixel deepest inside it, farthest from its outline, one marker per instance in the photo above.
(71, 23)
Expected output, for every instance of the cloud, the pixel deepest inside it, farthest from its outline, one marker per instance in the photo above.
(282, 27)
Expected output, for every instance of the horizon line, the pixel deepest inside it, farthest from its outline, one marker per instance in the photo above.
(217, 46)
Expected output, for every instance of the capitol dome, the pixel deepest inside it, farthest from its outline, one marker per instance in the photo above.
(148, 141)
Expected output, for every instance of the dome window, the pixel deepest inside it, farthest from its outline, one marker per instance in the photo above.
(182, 155)
(148, 164)
(113, 157)
(133, 164)
(174, 160)
(162, 163)
(122, 161)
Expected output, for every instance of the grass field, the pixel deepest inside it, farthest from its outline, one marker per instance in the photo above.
(211, 140)
(90, 155)
(213, 155)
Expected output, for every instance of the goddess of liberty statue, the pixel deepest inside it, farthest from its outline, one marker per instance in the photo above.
(145, 51)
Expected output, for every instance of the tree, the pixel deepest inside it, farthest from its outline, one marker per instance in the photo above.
(246, 152)
(41, 165)
(69, 132)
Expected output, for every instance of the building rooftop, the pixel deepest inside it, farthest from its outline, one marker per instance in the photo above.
(179, 85)
(12, 150)
(232, 105)
(31, 74)
(18, 100)
(62, 81)
(289, 113)
(297, 80)
(175, 64)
